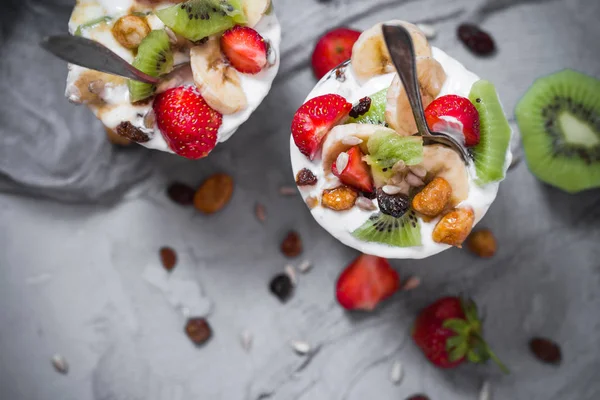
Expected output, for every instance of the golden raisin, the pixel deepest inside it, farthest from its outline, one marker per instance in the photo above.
(482, 243)
(214, 193)
(339, 199)
(454, 227)
(291, 246)
(130, 30)
(434, 197)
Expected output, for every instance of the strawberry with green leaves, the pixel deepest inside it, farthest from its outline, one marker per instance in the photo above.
(449, 333)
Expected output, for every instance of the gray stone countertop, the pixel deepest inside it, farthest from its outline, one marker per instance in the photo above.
(83, 279)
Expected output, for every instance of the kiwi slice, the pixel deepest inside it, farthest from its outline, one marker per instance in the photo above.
(376, 112)
(197, 19)
(559, 120)
(155, 58)
(400, 232)
(387, 148)
(490, 153)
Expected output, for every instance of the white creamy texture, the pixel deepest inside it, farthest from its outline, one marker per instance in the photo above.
(256, 87)
(341, 224)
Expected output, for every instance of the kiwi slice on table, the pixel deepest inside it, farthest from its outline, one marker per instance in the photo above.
(155, 58)
(382, 228)
(375, 113)
(197, 19)
(559, 120)
(490, 153)
(386, 148)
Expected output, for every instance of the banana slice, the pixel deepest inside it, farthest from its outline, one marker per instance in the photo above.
(341, 138)
(254, 10)
(441, 161)
(217, 81)
(370, 56)
(398, 114)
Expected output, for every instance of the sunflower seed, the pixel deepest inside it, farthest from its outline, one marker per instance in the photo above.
(400, 166)
(412, 283)
(418, 170)
(486, 391)
(246, 340)
(341, 162)
(291, 272)
(428, 30)
(413, 180)
(305, 266)
(288, 191)
(391, 190)
(60, 364)
(351, 141)
(365, 204)
(172, 36)
(300, 347)
(396, 373)
(259, 211)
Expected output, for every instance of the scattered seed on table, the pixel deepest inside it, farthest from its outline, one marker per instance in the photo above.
(60, 364)
(246, 340)
(300, 347)
(305, 266)
(291, 272)
(259, 211)
(486, 391)
(412, 283)
(428, 30)
(288, 191)
(396, 372)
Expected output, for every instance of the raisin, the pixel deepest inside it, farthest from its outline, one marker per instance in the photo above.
(291, 245)
(214, 193)
(395, 205)
(281, 286)
(305, 177)
(127, 130)
(168, 257)
(546, 350)
(477, 40)
(181, 193)
(363, 107)
(198, 330)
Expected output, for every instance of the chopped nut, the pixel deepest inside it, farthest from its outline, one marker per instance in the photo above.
(434, 197)
(312, 202)
(412, 283)
(214, 193)
(305, 177)
(351, 141)
(414, 180)
(365, 204)
(292, 244)
(288, 191)
(117, 139)
(259, 211)
(339, 199)
(482, 243)
(128, 130)
(399, 167)
(168, 257)
(418, 170)
(454, 227)
(198, 330)
(130, 30)
(60, 364)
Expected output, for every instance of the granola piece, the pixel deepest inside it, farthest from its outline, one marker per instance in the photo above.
(454, 227)
(339, 199)
(434, 197)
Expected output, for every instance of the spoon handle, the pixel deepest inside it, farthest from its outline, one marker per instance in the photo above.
(90, 54)
(402, 52)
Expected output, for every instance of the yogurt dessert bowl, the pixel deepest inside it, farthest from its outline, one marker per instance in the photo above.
(375, 185)
(216, 60)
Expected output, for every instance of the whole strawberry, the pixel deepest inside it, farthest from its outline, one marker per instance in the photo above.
(187, 123)
(332, 49)
(448, 332)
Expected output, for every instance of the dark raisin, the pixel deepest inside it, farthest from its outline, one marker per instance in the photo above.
(291, 245)
(546, 350)
(418, 397)
(181, 193)
(395, 205)
(370, 195)
(305, 177)
(282, 287)
(361, 108)
(477, 40)
(126, 129)
(198, 330)
(168, 257)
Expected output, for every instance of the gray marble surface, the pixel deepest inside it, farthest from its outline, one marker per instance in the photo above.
(81, 276)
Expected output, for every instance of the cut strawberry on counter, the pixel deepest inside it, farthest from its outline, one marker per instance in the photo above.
(187, 123)
(457, 107)
(332, 49)
(449, 332)
(314, 120)
(356, 173)
(365, 282)
(245, 49)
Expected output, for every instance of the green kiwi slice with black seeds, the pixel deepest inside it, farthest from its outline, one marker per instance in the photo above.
(559, 120)
(399, 232)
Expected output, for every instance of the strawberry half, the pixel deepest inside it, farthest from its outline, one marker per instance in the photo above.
(332, 49)
(313, 121)
(356, 173)
(457, 107)
(187, 123)
(449, 333)
(365, 282)
(245, 49)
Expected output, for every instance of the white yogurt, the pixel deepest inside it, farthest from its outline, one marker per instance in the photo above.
(256, 87)
(342, 224)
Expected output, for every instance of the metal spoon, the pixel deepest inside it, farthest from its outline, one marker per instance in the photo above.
(93, 55)
(400, 46)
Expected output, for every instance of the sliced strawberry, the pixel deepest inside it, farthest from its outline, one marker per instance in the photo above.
(457, 107)
(357, 172)
(313, 121)
(365, 282)
(187, 123)
(245, 49)
(332, 49)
